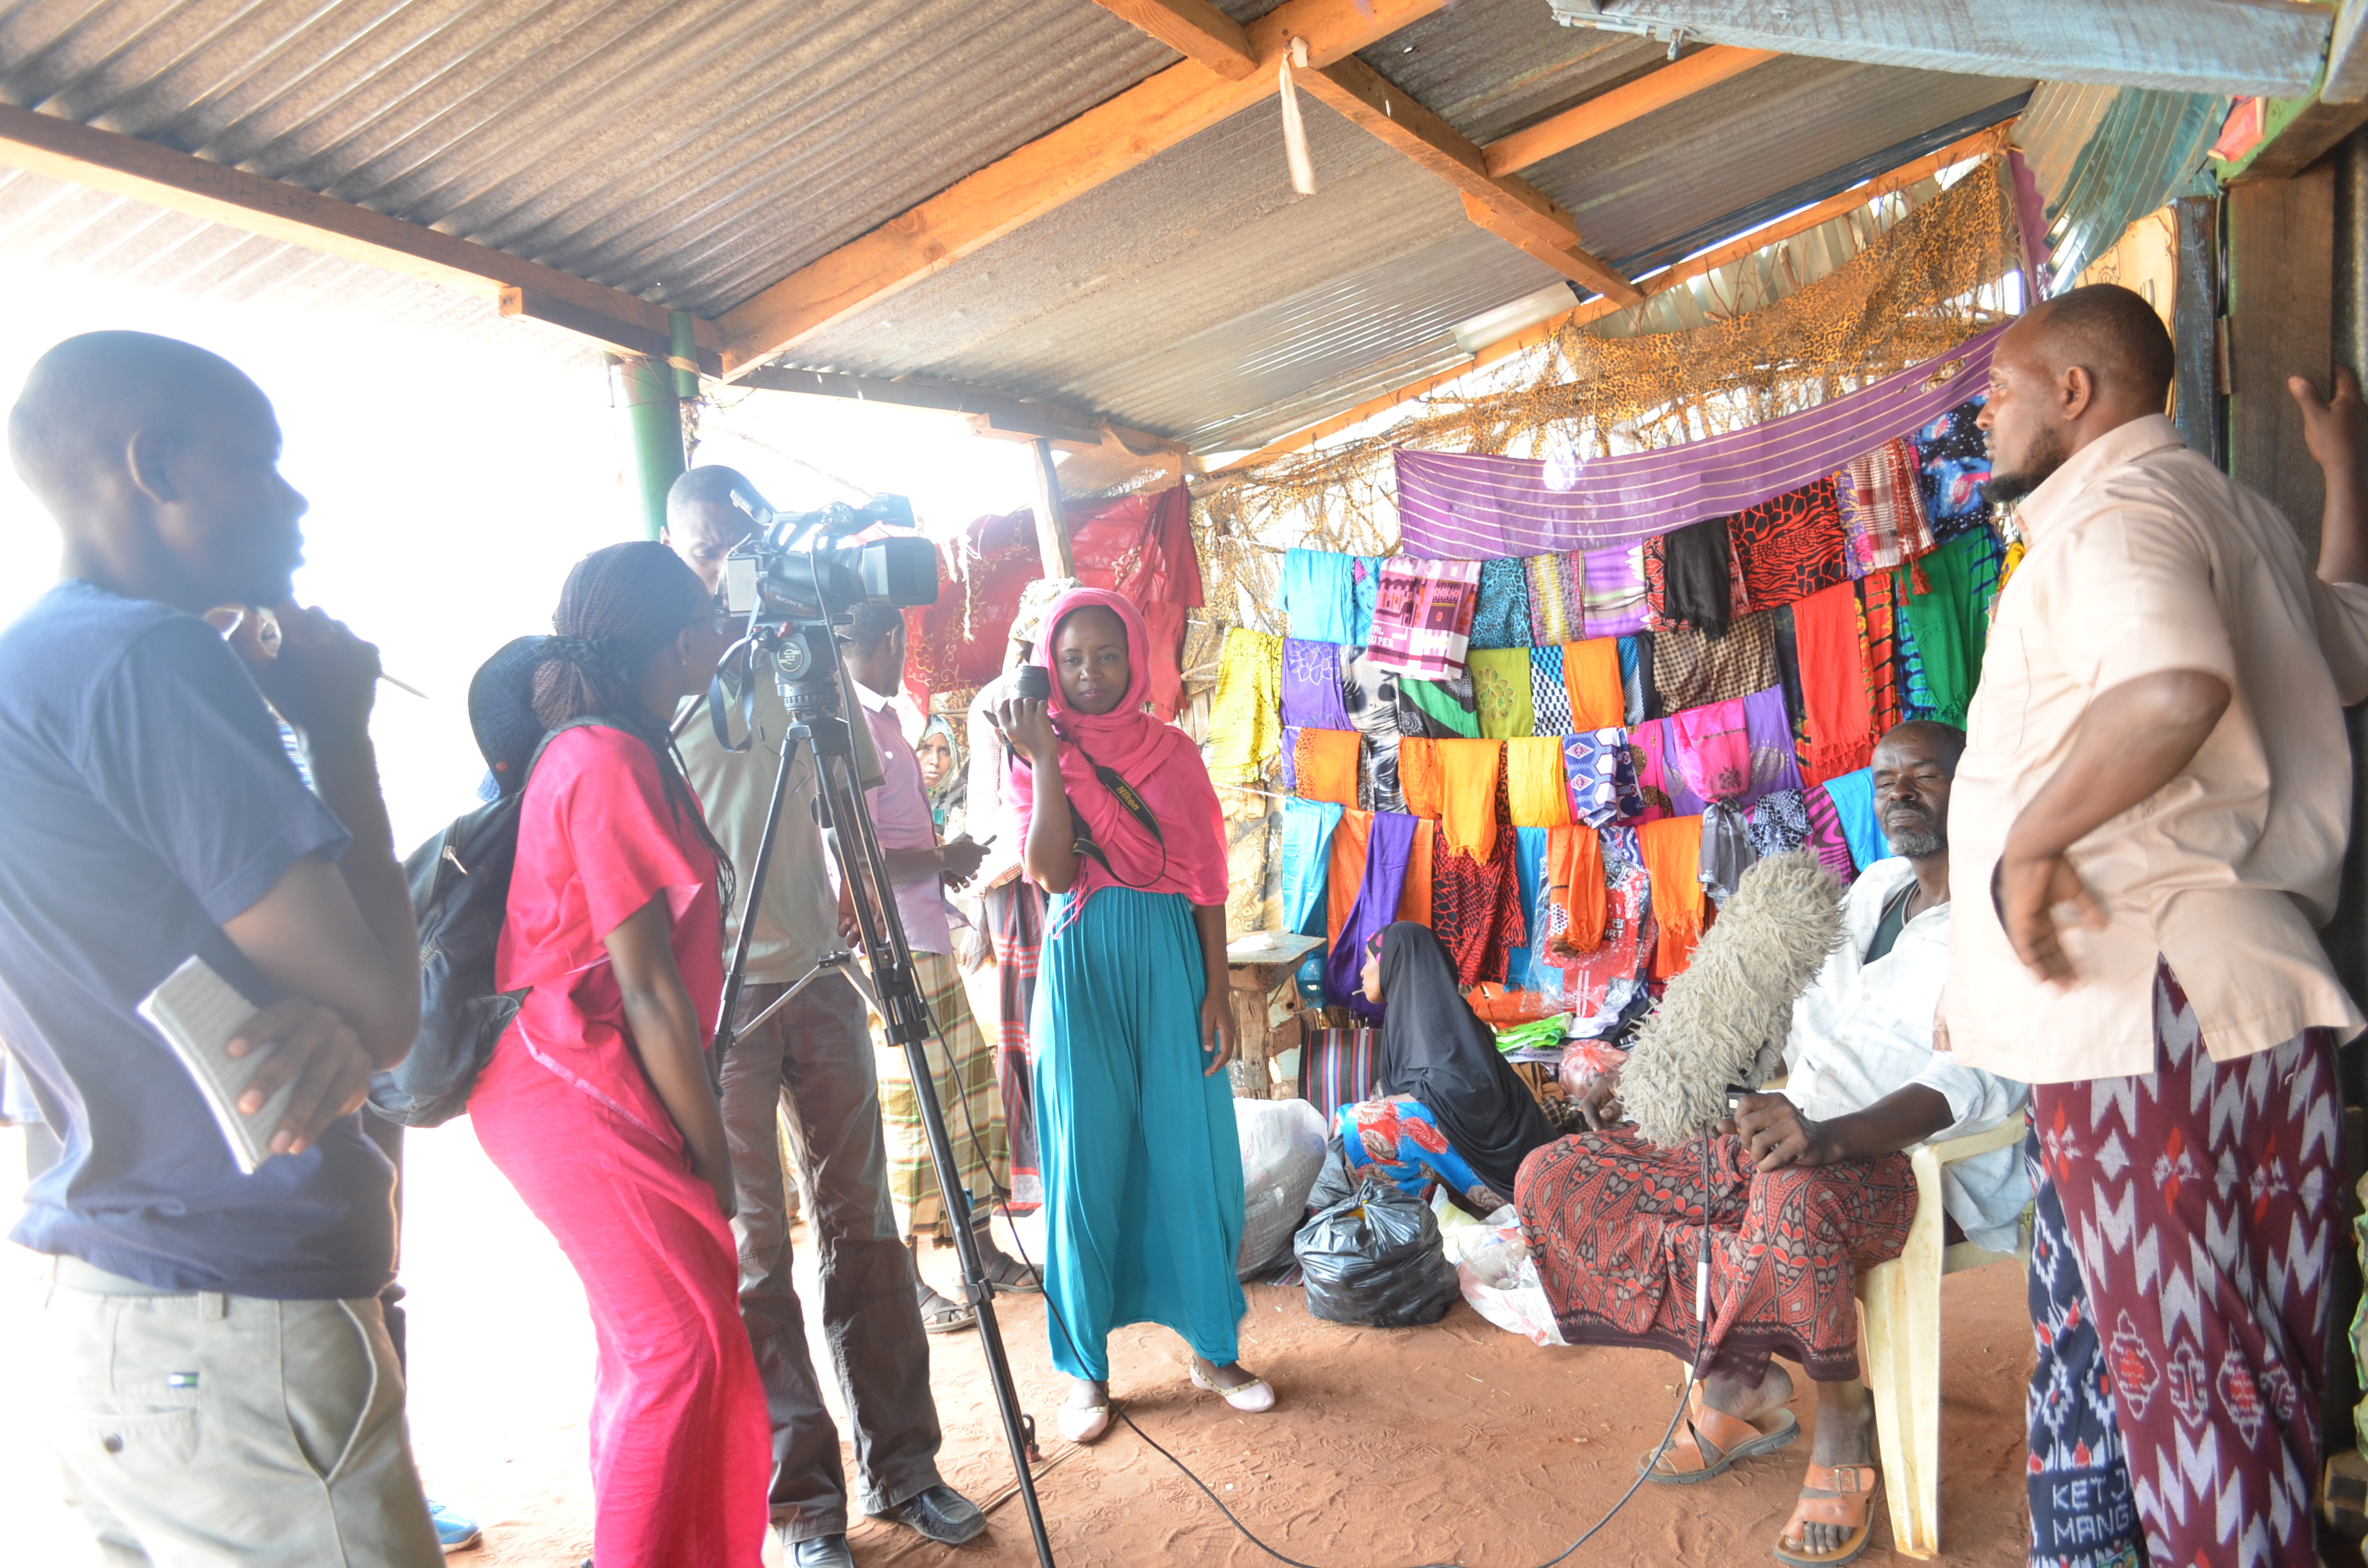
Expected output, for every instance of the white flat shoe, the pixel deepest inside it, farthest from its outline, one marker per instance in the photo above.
(1252, 1398)
(1085, 1424)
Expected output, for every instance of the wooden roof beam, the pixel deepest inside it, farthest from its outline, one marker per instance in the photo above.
(143, 171)
(1981, 144)
(993, 414)
(1193, 29)
(1105, 141)
(1703, 69)
(1510, 207)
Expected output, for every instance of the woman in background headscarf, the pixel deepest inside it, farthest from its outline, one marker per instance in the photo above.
(1453, 1112)
(945, 776)
(1134, 1025)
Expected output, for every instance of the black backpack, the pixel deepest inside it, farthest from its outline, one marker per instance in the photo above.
(461, 895)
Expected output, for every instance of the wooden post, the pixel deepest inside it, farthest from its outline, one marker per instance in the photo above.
(2195, 328)
(1052, 524)
(2281, 275)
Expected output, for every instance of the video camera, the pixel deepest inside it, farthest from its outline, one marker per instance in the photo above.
(790, 582)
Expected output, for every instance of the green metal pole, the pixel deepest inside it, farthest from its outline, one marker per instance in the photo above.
(655, 415)
(683, 354)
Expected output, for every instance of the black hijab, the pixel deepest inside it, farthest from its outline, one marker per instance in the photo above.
(1435, 1048)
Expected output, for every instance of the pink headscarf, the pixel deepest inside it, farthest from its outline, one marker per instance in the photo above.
(1159, 761)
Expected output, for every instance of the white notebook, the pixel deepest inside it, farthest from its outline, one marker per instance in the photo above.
(198, 1013)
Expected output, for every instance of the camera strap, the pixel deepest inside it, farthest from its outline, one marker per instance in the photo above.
(718, 697)
(1126, 796)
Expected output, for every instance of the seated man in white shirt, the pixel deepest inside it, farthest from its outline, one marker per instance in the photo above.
(1805, 1188)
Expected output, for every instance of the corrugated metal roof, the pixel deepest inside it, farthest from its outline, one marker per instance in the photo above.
(1767, 130)
(2061, 117)
(1490, 67)
(2147, 148)
(703, 147)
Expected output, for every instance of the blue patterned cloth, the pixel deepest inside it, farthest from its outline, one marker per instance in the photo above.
(1530, 864)
(1549, 698)
(1631, 678)
(1502, 617)
(1602, 777)
(1400, 1141)
(1306, 862)
(1853, 798)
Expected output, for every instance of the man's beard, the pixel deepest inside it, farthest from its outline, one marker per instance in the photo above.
(2046, 455)
(1918, 836)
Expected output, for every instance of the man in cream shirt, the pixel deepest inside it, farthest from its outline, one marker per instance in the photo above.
(2149, 823)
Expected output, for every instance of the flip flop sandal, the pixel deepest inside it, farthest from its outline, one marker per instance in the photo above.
(1013, 1277)
(1712, 1442)
(1843, 1495)
(942, 1315)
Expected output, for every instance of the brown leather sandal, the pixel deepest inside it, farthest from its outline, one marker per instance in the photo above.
(1712, 1442)
(1843, 1495)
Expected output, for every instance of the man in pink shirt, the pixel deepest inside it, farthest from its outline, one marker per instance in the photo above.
(960, 1057)
(2149, 824)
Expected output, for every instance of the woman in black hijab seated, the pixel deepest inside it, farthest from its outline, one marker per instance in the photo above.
(1453, 1112)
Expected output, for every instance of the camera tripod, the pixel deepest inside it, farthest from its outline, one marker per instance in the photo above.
(811, 685)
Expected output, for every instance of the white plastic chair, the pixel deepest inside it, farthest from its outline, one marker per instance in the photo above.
(1899, 1305)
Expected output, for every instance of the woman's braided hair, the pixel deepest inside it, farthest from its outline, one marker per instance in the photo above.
(621, 605)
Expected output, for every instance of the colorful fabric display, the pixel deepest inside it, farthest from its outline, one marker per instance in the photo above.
(1727, 851)
(1611, 590)
(1500, 689)
(1245, 733)
(1326, 765)
(1791, 547)
(1884, 522)
(1475, 909)
(1310, 686)
(1576, 887)
(1774, 764)
(1414, 899)
(1530, 885)
(1319, 595)
(1689, 579)
(1500, 618)
(1422, 619)
(1388, 850)
(1602, 777)
(1364, 589)
(1337, 1067)
(1779, 822)
(1671, 850)
(1345, 870)
(1470, 504)
(1654, 774)
(1371, 695)
(1878, 646)
(1467, 795)
(1557, 598)
(1713, 750)
(1289, 759)
(1602, 984)
(1660, 739)
(1636, 676)
(1951, 624)
(1549, 696)
(1690, 670)
(1955, 459)
(1438, 709)
(1826, 838)
(1537, 791)
(1419, 778)
(1833, 684)
(1306, 857)
(1591, 685)
(1853, 798)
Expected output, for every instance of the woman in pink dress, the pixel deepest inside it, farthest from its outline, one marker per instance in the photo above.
(596, 1104)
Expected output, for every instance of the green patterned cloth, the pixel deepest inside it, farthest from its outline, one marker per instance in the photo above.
(1500, 684)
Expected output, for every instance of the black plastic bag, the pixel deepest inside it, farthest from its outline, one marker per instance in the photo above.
(1375, 1257)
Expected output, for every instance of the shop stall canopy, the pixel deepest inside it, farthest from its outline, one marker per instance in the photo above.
(1072, 219)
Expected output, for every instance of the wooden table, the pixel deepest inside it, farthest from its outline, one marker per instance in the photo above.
(1258, 965)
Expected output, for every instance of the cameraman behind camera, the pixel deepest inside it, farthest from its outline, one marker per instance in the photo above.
(813, 1057)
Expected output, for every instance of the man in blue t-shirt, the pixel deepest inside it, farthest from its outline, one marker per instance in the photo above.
(220, 1381)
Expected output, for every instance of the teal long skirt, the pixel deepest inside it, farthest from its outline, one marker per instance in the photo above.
(1142, 1167)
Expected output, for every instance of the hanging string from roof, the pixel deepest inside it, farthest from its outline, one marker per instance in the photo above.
(1294, 132)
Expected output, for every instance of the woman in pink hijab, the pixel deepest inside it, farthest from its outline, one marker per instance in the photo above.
(1132, 1027)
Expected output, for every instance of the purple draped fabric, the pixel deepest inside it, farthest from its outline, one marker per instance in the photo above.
(1467, 505)
(1826, 840)
(1775, 765)
(1389, 852)
(1310, 686)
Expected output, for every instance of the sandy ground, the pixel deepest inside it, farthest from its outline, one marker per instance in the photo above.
(1455, 1444)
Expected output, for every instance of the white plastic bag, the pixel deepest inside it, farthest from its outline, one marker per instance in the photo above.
(1493, 1267)
(1282, 1148)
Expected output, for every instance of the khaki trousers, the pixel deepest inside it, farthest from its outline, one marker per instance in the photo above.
(218, 1430)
